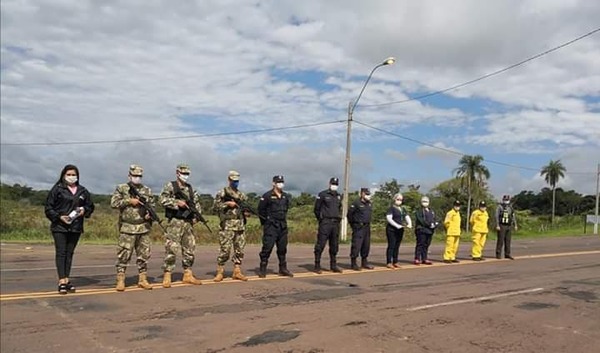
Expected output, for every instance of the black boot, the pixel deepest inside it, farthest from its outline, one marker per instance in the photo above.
(334, 267)
(318, 267)
(354, 265)
(262, 271)
(283, 271)
(365, 264)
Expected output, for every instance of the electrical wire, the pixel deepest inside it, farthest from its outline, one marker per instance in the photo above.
(491, 161)
(497, 72)
(97, 142)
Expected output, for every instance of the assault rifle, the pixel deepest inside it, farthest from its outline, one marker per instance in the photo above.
(192, 210)
(133, 191)
(243, 206)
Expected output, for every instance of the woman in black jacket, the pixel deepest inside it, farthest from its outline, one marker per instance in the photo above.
(66, 206)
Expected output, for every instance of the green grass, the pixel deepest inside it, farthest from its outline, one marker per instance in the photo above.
(21, 222)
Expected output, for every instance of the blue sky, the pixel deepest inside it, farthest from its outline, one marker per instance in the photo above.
(120, 70)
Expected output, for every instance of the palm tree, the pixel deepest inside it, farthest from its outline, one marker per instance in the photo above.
(552, 174)
(472, 172)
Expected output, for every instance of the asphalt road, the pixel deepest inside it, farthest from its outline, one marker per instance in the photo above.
(548, 300)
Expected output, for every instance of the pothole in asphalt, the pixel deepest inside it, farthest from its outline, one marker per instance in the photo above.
(536, 306)
(270, 337)
(586, 296)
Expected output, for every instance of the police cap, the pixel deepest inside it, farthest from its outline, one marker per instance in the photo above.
(278, 179)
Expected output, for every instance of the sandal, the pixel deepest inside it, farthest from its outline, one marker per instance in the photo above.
(62, 288)
(70, 288)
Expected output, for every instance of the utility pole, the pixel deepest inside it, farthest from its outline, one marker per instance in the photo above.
(597, 198)
(351, 106)
(344, 225)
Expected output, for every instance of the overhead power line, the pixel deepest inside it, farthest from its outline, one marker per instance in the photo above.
(491, 161)
(497, 72)
(98, 142)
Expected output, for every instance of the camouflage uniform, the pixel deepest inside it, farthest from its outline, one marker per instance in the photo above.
(180, 235)
(232, 223)
(134, 228)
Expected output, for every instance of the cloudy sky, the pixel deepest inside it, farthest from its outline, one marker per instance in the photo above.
(132, 76)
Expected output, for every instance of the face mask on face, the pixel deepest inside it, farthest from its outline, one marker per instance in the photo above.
(136, 180)
(235, 183)
(279, 185)
(184, 177)
(368, 197)
(505, 202)
(398, 202)
(71, 179)
(425, 204)
(333, 187)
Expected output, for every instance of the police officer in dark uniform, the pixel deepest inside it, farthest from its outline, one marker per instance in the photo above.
(328, 210)
(359, 218)
(272, 209)
(505, 219)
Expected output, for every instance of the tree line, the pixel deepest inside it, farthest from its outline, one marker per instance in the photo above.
(470, 185)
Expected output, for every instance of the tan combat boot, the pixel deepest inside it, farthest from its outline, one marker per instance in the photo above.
(166, 280)
(237, 273)
(143, 281)
(188, 277)
(219, 276)
(120, 281)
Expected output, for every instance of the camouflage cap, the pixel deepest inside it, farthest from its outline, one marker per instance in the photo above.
(183, 168)
(233, 175)
(136, 170)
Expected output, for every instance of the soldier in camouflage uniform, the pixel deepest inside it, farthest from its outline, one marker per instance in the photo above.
(134, 227)
(233, 223)
(180, 233)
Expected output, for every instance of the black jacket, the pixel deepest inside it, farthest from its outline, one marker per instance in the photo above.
(61, 201)
(272, 208)
(328, 204)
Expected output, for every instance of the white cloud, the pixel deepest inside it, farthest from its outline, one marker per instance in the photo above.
(117, 70)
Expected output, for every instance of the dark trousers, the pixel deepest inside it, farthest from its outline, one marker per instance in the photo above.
(361, 241)
(394, 238)
(329, 231)
(274, 233)
(504, 236)
(423, 243)
(64, 244)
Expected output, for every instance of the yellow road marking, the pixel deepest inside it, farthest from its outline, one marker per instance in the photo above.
(94, 291)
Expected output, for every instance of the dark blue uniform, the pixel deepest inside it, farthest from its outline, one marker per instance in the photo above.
(273, 212)
(393, 234)
(359, 218)
(328, 211)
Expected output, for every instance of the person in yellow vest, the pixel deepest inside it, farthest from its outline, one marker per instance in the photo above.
(452, 224)
(479, 225)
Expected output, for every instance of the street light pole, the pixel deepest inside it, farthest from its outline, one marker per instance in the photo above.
(597, 198)
(351, 106)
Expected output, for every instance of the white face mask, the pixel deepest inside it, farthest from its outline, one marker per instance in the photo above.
(505, 202)
(279, 185)
(398, 202)
(71, 179)
(136, 180)
(333, 187)
(425, 204)
(184, 177)
(368, 197)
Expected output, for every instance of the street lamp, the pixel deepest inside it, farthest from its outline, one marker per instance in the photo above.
(351, 106)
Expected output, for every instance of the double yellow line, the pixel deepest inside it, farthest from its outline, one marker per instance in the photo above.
(98, 291)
